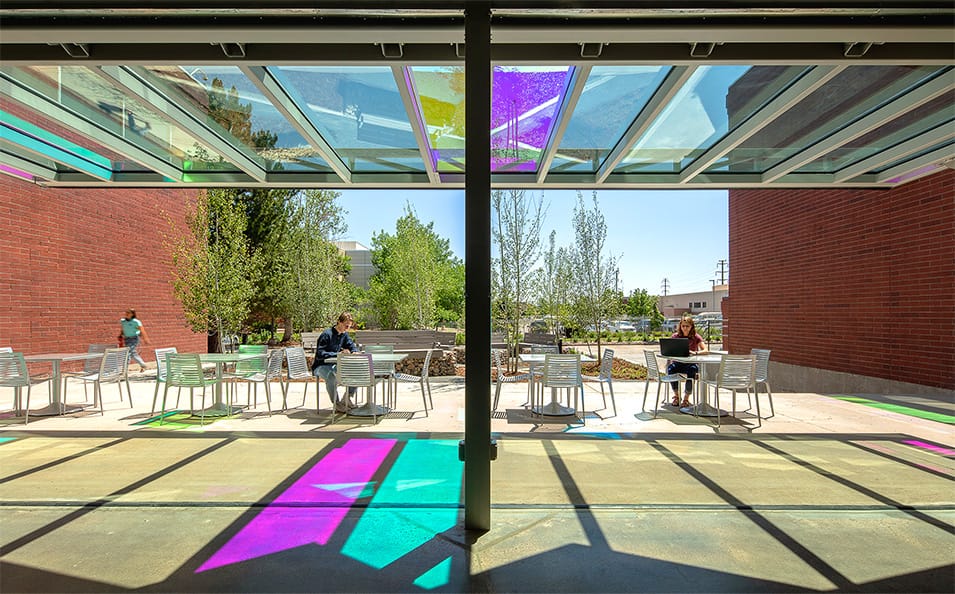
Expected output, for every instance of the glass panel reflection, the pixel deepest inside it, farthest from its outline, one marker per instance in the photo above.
(933, 114)
(441, 95)
(359, 112)
(702, 112)
(850, 95)
(612, 98)
(110, 108)
(523, 103)
(941, 145)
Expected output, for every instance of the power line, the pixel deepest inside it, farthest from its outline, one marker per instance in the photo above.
(722, 271)
(665, 285)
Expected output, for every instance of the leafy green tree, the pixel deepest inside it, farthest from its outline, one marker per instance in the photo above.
(312, 286)
(415, 271)
(596, 271)
(554, 282)
(215, 269)
(516, 225)
(641, 304)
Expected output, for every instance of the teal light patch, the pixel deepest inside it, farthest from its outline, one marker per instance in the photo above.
(53, 147)
(902, 410)
(418, 500)
(6, 439)
(435, 577)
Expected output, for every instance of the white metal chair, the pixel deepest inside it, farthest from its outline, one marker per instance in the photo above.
(384, 372)
(737, 372)
(297, 370)
(90, 366)
(356, 370)
(184, 370)
(605, 376)
(161, 373)
(113, 369)
(762, 376)
(14, 374)
(653, 374)
(500, 378)
(250, 368)
(422, 381)
(261, 370)
(562, 372)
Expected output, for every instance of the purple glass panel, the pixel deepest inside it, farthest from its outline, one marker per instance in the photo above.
(16, 172)
(311, 509)
(523, 104)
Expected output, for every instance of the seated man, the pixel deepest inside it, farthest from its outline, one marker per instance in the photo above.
(331, 342)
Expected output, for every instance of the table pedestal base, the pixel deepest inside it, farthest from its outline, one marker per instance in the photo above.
(219, 409)
(704, 409)
(554, 409)
(52, 410)
(369, 410)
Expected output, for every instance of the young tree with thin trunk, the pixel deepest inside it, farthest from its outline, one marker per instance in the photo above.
(595, 272)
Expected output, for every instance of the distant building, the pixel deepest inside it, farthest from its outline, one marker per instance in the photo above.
(677, 304)
(361, 267)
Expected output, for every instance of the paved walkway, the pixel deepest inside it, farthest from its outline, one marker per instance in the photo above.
(828, 494)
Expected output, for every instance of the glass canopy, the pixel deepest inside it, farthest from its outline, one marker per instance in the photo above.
(332, 115)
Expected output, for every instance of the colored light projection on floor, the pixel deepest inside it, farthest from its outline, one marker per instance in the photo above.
(176, 420)
(6, 439)
(311, 509)
(418, 500)
(902, 410)
(930, 447)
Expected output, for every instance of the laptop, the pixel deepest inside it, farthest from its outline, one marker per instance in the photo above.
(675, 347)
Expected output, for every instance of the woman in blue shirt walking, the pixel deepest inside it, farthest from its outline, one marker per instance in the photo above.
(132, 331)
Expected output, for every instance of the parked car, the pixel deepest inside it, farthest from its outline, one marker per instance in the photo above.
(539, 326)
(670, 324)
(624, 326)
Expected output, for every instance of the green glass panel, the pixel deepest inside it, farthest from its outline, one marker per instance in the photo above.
(357, 109)
(933, 114)
(850, 95)
(907, 158)
(112, 109)
(612, 98)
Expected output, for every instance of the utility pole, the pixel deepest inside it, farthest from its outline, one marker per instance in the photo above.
(665, 285)
(722, 271)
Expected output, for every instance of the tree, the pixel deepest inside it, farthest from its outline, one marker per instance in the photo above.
(643, 305)
(415, 271)
(595, 273)
(554, 282)
(312, 287)
(214, 268)
(516, 225)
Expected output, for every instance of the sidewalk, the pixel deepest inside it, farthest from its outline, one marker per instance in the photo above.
(828, 494)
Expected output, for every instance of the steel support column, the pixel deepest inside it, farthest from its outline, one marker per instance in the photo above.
(477, 219)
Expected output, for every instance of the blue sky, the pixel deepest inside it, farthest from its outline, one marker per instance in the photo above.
(638, 222)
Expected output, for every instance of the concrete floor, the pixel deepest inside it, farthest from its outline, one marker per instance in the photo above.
(828, 494)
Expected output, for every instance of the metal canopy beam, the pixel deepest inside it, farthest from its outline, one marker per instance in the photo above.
(404, 79)
(943, 133)
(281, 98)
(573, 89)
(907, 169)
(671, 85)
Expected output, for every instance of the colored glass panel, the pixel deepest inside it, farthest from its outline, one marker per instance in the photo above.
(441, 96)
(612, 98)
(523, 103)
(359, 112)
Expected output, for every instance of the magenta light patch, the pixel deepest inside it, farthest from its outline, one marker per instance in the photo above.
(930, 447)
(311, 509)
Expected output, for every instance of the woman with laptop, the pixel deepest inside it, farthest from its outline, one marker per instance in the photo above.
(686, 329)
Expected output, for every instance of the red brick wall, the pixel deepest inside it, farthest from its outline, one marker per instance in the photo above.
(73, 260)
(847, 280)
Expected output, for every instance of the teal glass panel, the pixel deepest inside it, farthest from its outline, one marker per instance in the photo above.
(850, 95)
(612, 98)
(47, 147)
(9, 148)
(905, 159)
(236, 103)
(441, 96)
(702, 112)
(933, 114)
(524, 100)
(110, 108)
(359, 112)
